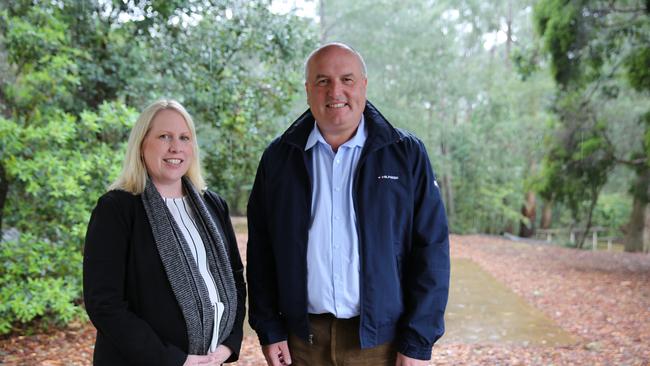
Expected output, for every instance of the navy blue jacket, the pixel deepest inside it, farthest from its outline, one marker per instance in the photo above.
(403, 239)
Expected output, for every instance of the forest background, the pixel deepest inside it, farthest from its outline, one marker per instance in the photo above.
(536, 114)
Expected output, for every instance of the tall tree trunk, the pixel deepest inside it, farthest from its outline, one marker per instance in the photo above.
(448, 189)
(509, 40)
(446, 181)
(637, 230)
(594, 200)
(646, 230)
(634, 229)
(547, 215)
(4, 189)
(528, 210)
(323, 23)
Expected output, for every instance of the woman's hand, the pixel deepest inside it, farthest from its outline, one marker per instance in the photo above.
(194, 360)
(221, 354)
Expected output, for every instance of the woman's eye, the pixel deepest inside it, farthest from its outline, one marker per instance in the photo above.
(185, 138)
(165, 137)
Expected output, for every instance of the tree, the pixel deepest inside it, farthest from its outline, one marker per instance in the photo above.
(431, 72)
(238, 86)
(69, 70)
(599, 57)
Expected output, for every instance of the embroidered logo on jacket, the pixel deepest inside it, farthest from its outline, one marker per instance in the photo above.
(392, 177)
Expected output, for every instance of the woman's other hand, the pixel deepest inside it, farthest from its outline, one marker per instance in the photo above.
(221, 354)
(208, 360)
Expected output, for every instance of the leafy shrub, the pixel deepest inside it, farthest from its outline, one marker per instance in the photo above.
(612, 211)
(57, 167)
(38, 278)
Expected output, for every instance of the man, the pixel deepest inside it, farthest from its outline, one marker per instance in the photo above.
(348, 251)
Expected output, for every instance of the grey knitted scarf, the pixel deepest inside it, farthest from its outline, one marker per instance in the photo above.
(183, 273)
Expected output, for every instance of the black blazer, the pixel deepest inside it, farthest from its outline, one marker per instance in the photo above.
(126, 291)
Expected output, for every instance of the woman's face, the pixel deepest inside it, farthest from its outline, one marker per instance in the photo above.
(167, 151)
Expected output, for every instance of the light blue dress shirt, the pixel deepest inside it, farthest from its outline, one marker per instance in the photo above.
(333, 246)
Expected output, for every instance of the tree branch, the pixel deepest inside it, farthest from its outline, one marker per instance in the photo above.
(634, 162)
(611, 8)
(591, 93)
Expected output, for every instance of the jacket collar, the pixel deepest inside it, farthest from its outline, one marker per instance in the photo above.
(380, 131)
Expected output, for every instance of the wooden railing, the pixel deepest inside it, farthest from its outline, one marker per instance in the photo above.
(597, 233)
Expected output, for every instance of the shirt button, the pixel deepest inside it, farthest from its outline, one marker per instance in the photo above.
(338, 161)
(337, 189)
(336, 246)
(336, 217)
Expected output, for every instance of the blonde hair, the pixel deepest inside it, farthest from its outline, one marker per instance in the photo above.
(134, 172)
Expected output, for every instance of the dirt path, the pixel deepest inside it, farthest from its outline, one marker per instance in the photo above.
(602, 300)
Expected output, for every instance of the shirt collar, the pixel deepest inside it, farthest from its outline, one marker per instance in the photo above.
(358, 139)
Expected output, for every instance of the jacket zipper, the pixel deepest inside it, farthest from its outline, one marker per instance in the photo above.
(310, 335)
(361, 243)
(362, 160)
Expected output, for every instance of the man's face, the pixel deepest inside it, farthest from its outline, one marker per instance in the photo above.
(336, 91)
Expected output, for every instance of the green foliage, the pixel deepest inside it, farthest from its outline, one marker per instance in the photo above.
(524, 60)
(612, 211)
(432, 74)
(597, 49)
(235, 86)
(557, 21)
(58, 166)
(69, 73)
(39, 280)
(577, 164)
(638, 69)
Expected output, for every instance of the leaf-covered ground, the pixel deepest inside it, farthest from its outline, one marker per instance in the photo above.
(601, 298)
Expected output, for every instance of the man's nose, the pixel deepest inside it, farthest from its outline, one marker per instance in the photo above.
(335, 88)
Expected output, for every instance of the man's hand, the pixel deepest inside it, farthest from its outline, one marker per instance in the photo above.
(221, 354)
(277, 354)
(407, 361)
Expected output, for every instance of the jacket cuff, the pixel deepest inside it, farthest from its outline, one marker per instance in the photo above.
(272, 336)
(413, 351)
(174, 357)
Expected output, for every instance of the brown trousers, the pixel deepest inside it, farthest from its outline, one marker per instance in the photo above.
(335, 342)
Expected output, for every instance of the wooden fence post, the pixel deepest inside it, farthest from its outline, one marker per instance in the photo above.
(609, 244)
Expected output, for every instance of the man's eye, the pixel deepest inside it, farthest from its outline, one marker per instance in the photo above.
(321, 82)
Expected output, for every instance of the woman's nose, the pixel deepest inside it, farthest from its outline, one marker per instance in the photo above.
(175, 145)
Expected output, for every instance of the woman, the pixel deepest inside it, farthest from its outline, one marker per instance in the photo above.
(163, 280)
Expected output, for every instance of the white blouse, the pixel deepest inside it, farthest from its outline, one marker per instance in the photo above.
(184, 215)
